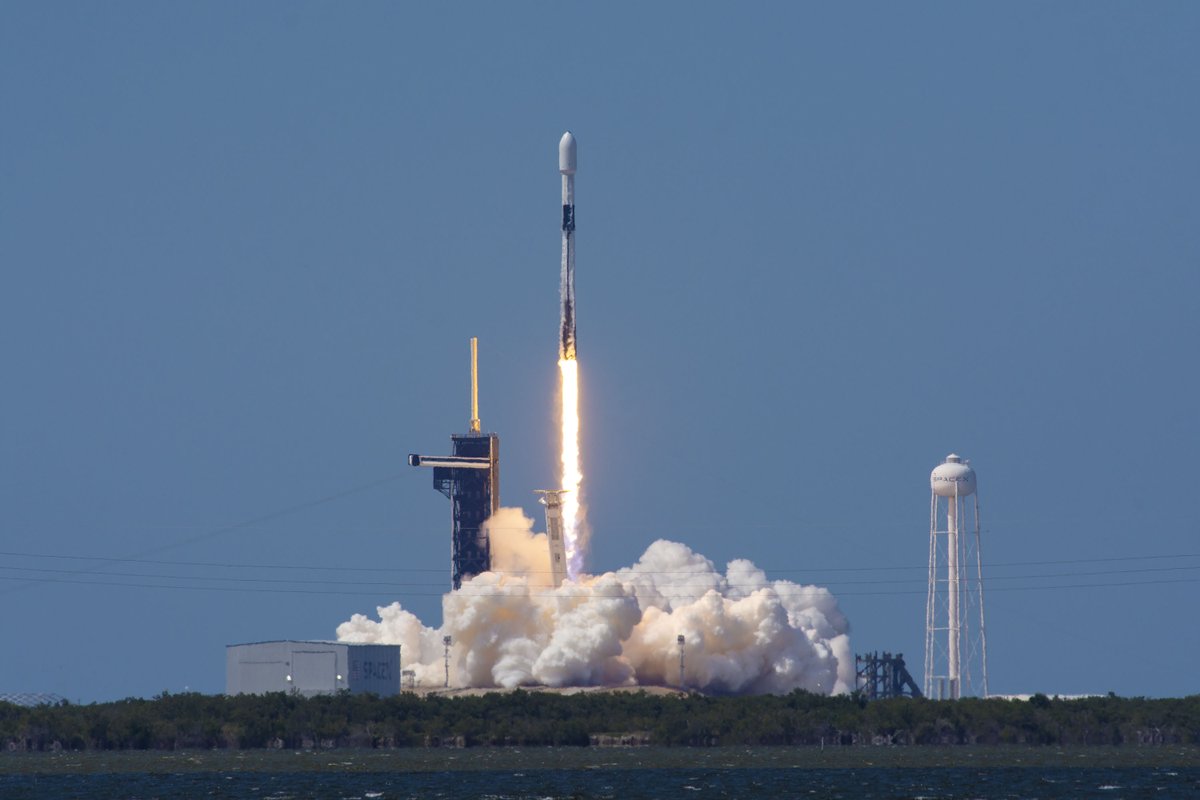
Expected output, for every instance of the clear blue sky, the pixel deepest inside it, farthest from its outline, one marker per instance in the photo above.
(819, 248)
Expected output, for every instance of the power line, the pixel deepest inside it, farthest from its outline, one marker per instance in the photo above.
(106, 573)
(521, 593)
(220, 564)
(325, 568)
(283, 512)
(707, 577)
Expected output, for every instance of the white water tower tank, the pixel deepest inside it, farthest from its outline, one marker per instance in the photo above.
(953, 477)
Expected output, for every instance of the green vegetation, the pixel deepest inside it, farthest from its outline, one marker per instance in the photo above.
(180, 721)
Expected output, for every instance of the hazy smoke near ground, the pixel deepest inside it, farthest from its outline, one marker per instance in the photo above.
(743, 633)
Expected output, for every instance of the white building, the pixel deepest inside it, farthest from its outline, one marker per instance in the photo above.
(311, 668)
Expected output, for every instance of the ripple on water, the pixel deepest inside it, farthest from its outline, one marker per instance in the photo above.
(550, 774)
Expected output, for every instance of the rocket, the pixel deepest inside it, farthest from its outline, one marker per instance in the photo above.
(566, 166)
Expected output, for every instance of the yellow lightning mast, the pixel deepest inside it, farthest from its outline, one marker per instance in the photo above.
(475, 384)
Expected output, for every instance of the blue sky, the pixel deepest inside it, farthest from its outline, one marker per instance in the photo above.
(819, 248)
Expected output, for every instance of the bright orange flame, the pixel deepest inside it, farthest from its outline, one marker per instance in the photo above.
(572, 477)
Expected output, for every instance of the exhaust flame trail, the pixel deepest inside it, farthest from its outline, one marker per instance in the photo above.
(572, 476)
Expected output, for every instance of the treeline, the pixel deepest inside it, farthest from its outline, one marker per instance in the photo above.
(536, 718)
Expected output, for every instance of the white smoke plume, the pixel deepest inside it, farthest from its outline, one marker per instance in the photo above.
(743, 633)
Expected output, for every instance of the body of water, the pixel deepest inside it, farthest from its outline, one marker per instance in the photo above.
(500, 773)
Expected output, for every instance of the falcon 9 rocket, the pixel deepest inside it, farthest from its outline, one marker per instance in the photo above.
(566, 166)
(574, 530)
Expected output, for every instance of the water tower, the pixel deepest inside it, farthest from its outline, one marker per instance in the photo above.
(955, 636)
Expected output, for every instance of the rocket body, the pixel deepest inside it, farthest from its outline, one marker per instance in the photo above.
(566, 166)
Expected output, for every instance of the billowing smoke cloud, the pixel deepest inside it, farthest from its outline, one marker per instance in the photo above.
(742, 633)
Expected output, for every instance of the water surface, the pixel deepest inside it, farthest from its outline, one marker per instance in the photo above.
(925, 773)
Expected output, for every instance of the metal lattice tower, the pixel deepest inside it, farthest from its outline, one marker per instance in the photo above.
(883, 675)
(955, 634)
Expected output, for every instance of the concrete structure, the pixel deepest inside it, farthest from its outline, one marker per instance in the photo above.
(310, 668)
(955, 637)
(552, 500)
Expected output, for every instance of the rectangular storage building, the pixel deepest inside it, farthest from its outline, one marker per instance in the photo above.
(310, 668)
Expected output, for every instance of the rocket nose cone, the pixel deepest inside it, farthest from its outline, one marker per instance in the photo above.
(566, 154)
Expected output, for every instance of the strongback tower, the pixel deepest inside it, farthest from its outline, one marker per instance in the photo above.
(552, 500)
(470, 479)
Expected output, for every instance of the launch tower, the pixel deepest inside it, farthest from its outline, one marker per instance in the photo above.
(470, 479)
(955, 637)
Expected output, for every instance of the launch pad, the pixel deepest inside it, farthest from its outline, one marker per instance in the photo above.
(470, 476)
